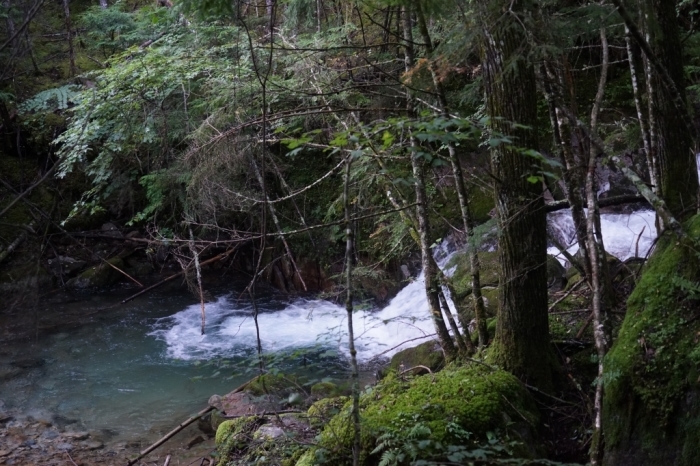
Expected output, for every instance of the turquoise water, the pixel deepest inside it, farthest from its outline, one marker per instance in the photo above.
(115, 372)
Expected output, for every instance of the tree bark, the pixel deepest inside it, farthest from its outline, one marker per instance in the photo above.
(460, 188)
(521, 345)
(349, 309)
(69, 32)
(598, 278)
(430, 272)
(677, 184)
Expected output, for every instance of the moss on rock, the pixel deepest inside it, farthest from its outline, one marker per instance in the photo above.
(323, 410)
(99, 276)
(428, 354)
(324, 390)
(652, 403)
(450, 406)
(234, 435)
(276, 384)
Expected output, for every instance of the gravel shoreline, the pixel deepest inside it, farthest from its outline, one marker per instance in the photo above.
(26, 441)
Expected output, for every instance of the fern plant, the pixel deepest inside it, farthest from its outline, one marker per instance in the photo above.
(57, 98)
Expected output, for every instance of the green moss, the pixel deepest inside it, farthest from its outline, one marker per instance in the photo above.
(426, 354)
(307, 459)
(98, 276)
(323, 410)
(324, 390)
(481, 204)
(278, 384)
(477, 399)
(652, 384)
(234, 435)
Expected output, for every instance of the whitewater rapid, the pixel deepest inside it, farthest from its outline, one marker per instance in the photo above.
(308, 323)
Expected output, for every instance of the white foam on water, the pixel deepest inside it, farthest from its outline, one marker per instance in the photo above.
(304, 323)
(621, 233)
(307, 323)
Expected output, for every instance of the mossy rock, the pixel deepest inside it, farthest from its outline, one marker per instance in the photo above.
(481, 204)
(428, 354)
(652, 381)
(99, 276)
(25, 276)
(234, 435)
(324, 390)
(307, 459)
(457, 406)
(323, 410)
(279, 385)
(253, 440)
(462, 279)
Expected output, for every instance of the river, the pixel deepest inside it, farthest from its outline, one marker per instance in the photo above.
(136, 370)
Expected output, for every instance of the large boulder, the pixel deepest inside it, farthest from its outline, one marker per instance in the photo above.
(652, 382)
(428, 354)
(450, 413)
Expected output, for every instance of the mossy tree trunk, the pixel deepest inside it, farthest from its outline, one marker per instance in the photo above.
(521, 344)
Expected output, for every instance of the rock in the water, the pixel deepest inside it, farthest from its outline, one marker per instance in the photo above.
(99, 276)
(215, 401)
(64, 265)
(93, 445)
(556, 274)
(204, 424)
(9, 373)
(76, 435)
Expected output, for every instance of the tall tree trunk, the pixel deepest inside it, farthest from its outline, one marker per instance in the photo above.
(432, 284)
(430, 270)
(569, 152)
(69, 32)
(636, 91)
(521, 345)
(597, 261)
(677, 173)
(678, 185)
(349, 309)
(462, 197)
